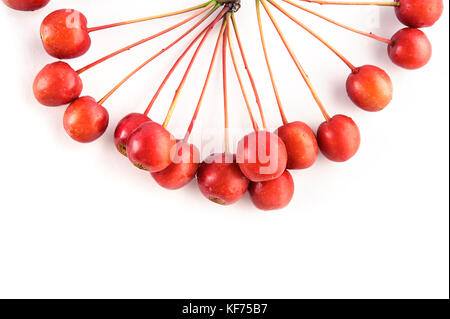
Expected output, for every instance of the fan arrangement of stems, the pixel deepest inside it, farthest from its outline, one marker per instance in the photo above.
(263, 158)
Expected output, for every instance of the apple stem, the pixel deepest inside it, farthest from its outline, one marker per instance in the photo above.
(340, 56)
(160, 16)
(355, 3)
(225, 86)
(249, 73)
(297, 63)
(238, 75)
(155, 56)
(208, 77)
(269, 68)
(143, 41)
(185, 76)
(366, 34)
(207, 30)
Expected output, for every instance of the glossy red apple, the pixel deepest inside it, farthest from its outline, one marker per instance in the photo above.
(150, 147)
(274, 194)
(26, 5)
(262, 156)
(410, 48)
(123, 130)
(220, 179)
(85, 120)
(370, 88)
(57, 84)
(301, 145)
(65, 35)
(183, 169)
(339, 139)
(419, 13)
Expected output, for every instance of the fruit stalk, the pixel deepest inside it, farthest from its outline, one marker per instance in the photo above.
(108, 95)
(225, 85)
(297, 63)
(131, 46)
(269, 68)
(185, 76)
(207, 30)
(238, 75)
(160, 16)
(354, 3)
(208, 77)
(247, 68)
(366, 34)
(340, 56)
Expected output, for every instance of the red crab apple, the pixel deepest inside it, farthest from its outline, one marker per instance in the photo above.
(419, 13)
(262, 156)
(184, 166)
(370, 88)
(57, 84)
(220, 179)
(150, 146)
(301, 145)
(274, 194)
(123, 130)
(410, 48)
(26, 5)
(85, 120)
(339, 138)
(65, 35)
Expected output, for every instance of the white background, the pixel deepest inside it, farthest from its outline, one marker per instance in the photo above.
(79, 221)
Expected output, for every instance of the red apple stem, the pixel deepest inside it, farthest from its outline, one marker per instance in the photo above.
(143, 40)
(249, 73)
(225, 86)
(297, 63)
(355, 3)
(160, 16)
(339, 55)
(185, 76)
(108, 95)
(208, 77)
(238, 75)
(269, 67)
(185, 52)
(366, 34)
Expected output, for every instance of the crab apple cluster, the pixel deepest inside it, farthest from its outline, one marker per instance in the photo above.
(259, 167)
(263, 160)
(123, 130)
(26, 5)
(410, 48)
(149, 146)
(57, 84)
(369, 87)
